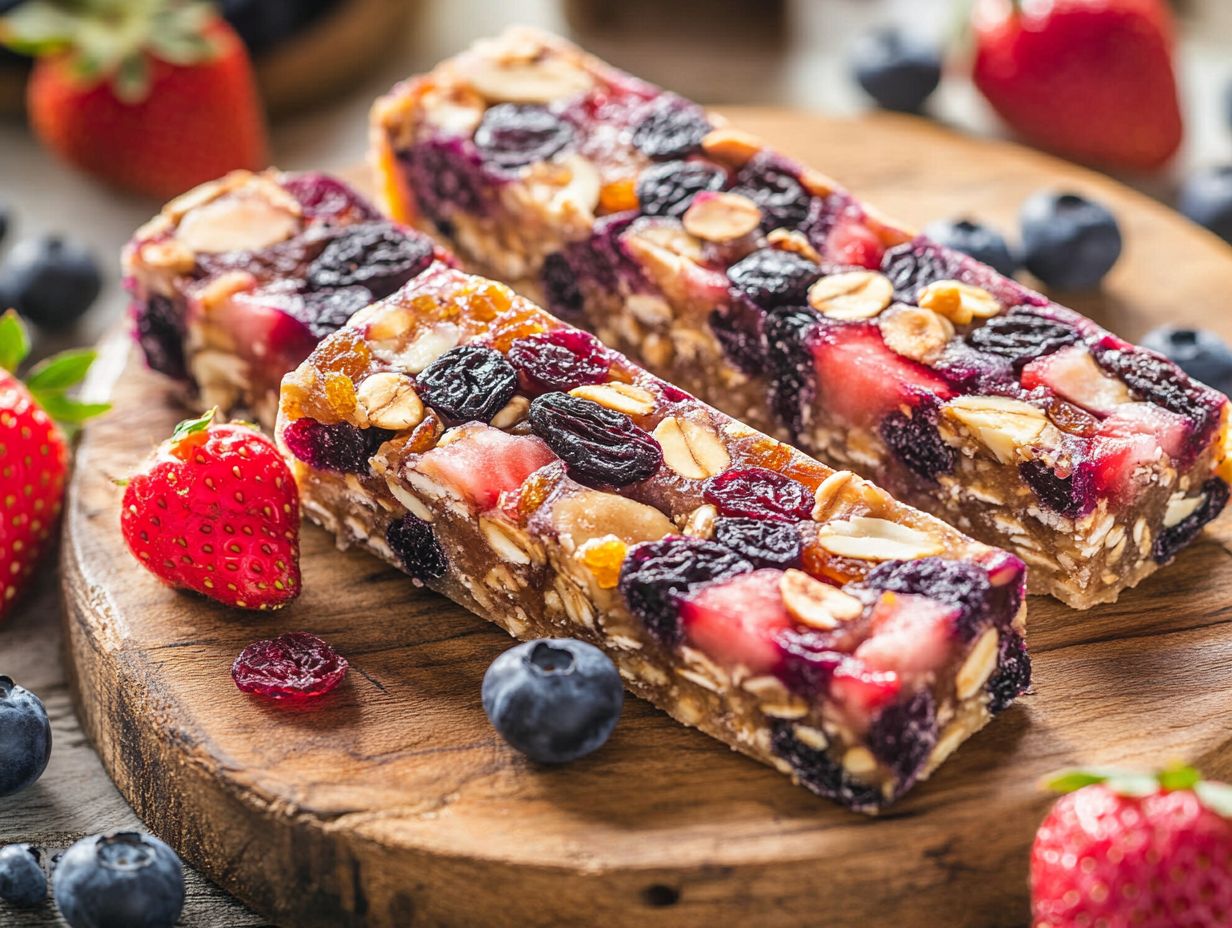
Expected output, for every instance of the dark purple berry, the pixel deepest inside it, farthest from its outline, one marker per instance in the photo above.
(976, 240)
(898, 69)
(957, 583)
(673, 128)
(376, 255)
(159, 328)
(339, 447)
(914, 265)
(1171, 540)
(1068, 241)
(772, 277)
(1071, 496)
(758, 493)
(1159, 381)
(1200, 353)
(23, 881)
(789, 337)
(326, 311)
(414, 541)
(667, 189)
(1022, 335)
(764, 542)
(447, 176)
(738, 326)
(25, 737)
(560, 360)
(656, 574)
(1206, 197)
(917, 442)
(560, 286)
(1013, 675)
(597, 444)
(325, 197)
(770, 181)
(469, 383)
(904, 735)
(513, 135)
(51, 281)
(820, 773)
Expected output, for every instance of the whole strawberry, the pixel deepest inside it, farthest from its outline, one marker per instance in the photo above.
(33, 453)
(1089, 79)
(1134, 851)
(216, 511)
(155, 96)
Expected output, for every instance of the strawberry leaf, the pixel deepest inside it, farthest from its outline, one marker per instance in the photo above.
(14, 341)
(1215, 796)
(192, 426)
(1067, 781)
(1125, 783)
(131, 82)
(68, 411)
(60, 371)
(1179, 777)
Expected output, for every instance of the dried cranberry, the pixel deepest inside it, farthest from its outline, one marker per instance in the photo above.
(1171, 540)
(764, 542)
(672, 128)
(656, 574)
(1013, 675)
(560, 360)
(325, 197)
(513, 135)
(339, 447)
(468, 383)
(1071, 496)
(668, 189)
(160, 329)
(326, 311)
(819, 772)
(414, 541)
(757, 493)
(561, 291)
(376, 255)
(290, 667)
(903, 737)
(916, 441)
(772, 182)
(596, 443)
(954, 583)
(1157, 380)
(914, 265)
(1022, 335)
(771, 277)
(789, 337)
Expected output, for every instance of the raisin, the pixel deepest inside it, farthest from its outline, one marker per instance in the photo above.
(914, 265)
(1070, 496)
(1171, 540)
(668, 189)
(1021, 335)
(560, 360)
(772, 182)
(597, 444)
(789, 335)
(1157, 380)
(291, 667)
(469, 383)
(957, 583)
(771, 277)
(672, 128)
(561, 290)
(326, 311)
(904, 735)
(160, 329)
(376, 255)
(414, 541)
(1013, 675)
(513, 135)
(764, 542)
(819, 772)
(339, 447)
(757, 493)
(656, 574)
(916, 441)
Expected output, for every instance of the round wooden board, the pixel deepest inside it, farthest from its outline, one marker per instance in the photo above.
(393, 802)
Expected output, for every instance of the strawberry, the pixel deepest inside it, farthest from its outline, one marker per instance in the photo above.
(33, 453)
(735, 621)
(484, 462)
(1088, 79)
(1140, 850)
(216, 511)
(155, 97)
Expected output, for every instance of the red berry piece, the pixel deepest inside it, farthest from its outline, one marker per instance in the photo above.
(597, 444)
(290, 667)
(325, 197)
(341, 446)
(757, 493)
(560, 360)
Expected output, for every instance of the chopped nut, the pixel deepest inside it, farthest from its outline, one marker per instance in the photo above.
(721, 217)
(1179, 508)
(859, 761)
(649, 308)
(390, 400)
(622, 397)
(657, 351)
(427, 346)
(169, 255)
(236, 223)
(731, 147)
(817, 604)
(669, 236)
(851, 295)
(916, 333)
(456, 109)
(509, 542)
(793, 241)
(700, 523)
(1002, 424)
(581, 516)
(811, 737)
(978, 666)
(870, 539)
(958, 302)
(827, 493)
(526, 81)
(692, 450)
(580, 193)
(511, 413)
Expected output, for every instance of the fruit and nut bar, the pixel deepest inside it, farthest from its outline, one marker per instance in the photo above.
(233, 283)
(768, 290)
(540, 479)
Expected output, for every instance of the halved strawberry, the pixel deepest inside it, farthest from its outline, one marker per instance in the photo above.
(851, 242)
(735, 621)
(1129, 441)
(483, 462)
(863, 691)
(910, 635)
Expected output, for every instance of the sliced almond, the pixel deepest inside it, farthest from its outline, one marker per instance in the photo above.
(205, 193)
(579, 195)
(589, 514)
(793, 241)
(958, 302)
(978, 666)
(692, 450)
(522, 81)
(1179, 509)
(511, 413)
(666, 235)
(236, 223)
(817, 604)
(828, 493)
(851, 295)
(915, 332)
(870, 539)
(721, 217)
(732, 147)
(169, 255)
(390, 400)
(457, 109)
(1002, 425)
(427, 346)
(700, 523)
(622, 397)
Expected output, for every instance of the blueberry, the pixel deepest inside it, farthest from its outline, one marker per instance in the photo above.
(262, 24)
(980, 241)
(667, 189)
(1022, 335)
(379, 256)
(560, 286)
(1171, 540)
(121, 880)
(159, 327)
(51, 281)
(673, 127)
(25, 737)
(512, 135)
(819, 772)
(555, 699)
(1200, 353)
(958, 583)
(340, 447)
(5, 214)
(773, 183)
(898, 70)
(22, 880)
(1206, 198)
(914, 265)
(771, 277)
(1068, 241)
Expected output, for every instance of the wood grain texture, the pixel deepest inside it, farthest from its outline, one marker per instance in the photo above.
(393, 802)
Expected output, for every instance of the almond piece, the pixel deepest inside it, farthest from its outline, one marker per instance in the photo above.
(426, 347)
(721, 217)
(793, 241)
(732, 147)
(1179, 508)
(817, 604)
(915, 332)
(511, 413)
(390, 400)
(691, 449)
(978, 666)
(1002, 425)
(622, 397)
(870, 539)
(169, 255)
(958, 302)
(588, 514)
(236, 223)
(700, 523)
(851, 295)
(523, 81)
(457, 110)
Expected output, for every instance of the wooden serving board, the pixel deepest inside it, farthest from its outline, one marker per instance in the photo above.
(393, 802)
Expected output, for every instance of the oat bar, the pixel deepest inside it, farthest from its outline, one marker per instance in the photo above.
(515, 464)
(765, 288)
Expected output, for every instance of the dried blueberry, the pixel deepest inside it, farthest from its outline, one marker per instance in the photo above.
(764, 542)
(916, 441)
(1022, 335)
(758, 493)
(914, 265)
(819, 772)
(339, 447)
(561, 291)
(447, 176)
(1171, 540)
(789, 334)
(597, 444)
(771, 277)
(957, 583)
(560, 360)
(1013, 675)
(738, 326)
(672, 128)
(414, 541)
(772, 182)
(326, 311)
(1159, 381)
(903, 737)
(1070, 496)
(468, 383)
(376, 255)
(513, 135)
(160, 328)
(655, 574)
(667, 189)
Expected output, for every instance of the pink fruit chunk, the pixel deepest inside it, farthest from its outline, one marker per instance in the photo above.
(484, 462)
(263, 331)
(850, 242)
(735, 621)
(1128, 443)
(911, 635)
(1169, 429)
(1073, 375)
(860, 379)
(862, 691)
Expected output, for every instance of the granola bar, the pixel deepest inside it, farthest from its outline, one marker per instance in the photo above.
(765, 288)
(538, 478)
(233, 283)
